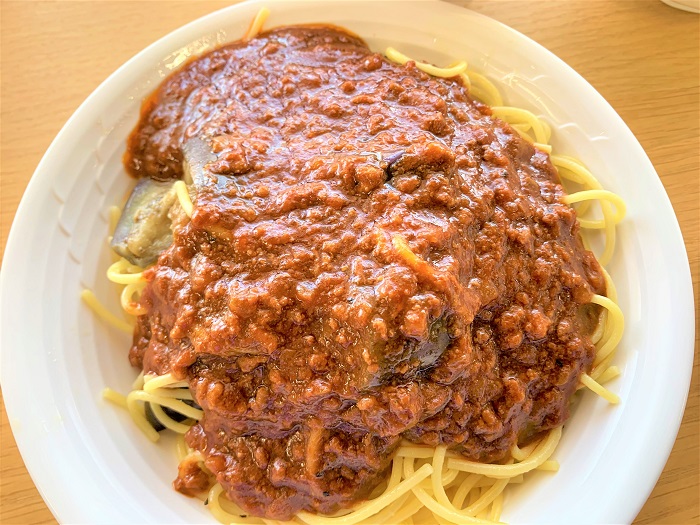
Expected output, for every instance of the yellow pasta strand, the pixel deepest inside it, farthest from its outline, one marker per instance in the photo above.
(123, 272)
(129, 305)
(610, 373)
(466, 81)
(577, 172)
(603, 392)
(257, 24)
(609, 327)
(173, 404)
(174, 393)
(138, 382)
(487, 497)
(183, 196)
(600, 368)
(540, 455)
(448, 476)
(396, 469)
(511, 114)
(618, 322)
(571, 169)
(611, 289)
(91, 300)
(607, 254)
(520, 454)
(402, 513)
(452, 515)
(600, 195)
(138, 415)
(447, 512)
(547, 130)
(442, 72)
(599, 331)
(152, 382)
(465, 489)
(496, 508)
(522, 128)
(222, 515)
(481, 88)
(436, 478)
(167, 421)
(550, 465)
(374, 506)
(114, 397)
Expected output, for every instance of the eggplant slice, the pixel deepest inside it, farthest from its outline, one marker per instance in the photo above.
(197, 154)
(143, 230)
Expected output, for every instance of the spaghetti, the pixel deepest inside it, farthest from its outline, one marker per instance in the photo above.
(183, 197)
(423, 480)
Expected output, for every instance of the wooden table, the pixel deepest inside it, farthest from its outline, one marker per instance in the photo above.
(642, 56)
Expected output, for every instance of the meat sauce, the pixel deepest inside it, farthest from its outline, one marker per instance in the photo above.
(374, 257)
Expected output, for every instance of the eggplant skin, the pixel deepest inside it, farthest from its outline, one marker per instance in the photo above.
(196, 154)
(143, 231)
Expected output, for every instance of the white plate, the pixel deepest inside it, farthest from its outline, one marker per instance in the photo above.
(90, 462)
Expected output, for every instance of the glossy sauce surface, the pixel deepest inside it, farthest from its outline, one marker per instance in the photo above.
(373, 257)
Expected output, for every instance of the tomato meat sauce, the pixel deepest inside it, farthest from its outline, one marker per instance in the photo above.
(372, 257)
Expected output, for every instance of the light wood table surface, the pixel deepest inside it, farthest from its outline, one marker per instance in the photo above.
(642, 56)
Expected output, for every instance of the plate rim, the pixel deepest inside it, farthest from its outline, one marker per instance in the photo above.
(33, 193)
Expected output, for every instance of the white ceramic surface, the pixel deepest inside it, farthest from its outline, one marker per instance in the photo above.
(92, 465)
(692, 6)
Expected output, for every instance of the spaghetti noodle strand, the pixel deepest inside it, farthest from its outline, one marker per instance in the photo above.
(152, 383)
(618, 322)
(600, 195)
(511, 114)
(257, 23)
(374, 506)
(130, 306)
(173, 404)
(93, 302)
(114, 397)
(167, 421)
(464, 489)
(183, 196)
(441, 72)
(599, 389)
(123, 272)
(483, 89)
(436, 478)
(540, 455)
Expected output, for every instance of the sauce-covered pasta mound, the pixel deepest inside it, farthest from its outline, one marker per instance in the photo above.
(371, 257)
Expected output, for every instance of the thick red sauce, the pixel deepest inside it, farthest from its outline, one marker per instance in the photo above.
(312, 338)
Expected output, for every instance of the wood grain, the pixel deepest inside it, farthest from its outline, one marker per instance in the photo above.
(642, 56)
